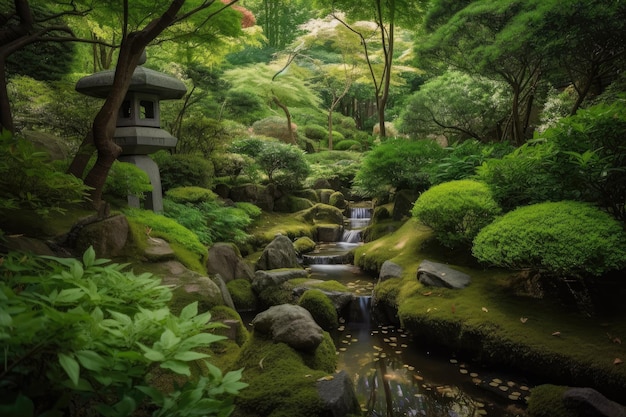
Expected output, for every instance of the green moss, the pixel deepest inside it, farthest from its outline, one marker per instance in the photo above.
(546, 401)
(304, 244)
(242, 294)
(268, 225)
(330, 285)
(321, 213)
(281, 381)
(321, 308)
(338, 200)
(292, 204)
(192, 195)
(221, 313)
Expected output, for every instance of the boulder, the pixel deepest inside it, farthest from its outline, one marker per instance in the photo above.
(107, 236)
(304, 245)
(587, 402)
(279, 253)
(224, 259)
(263, 279)
(290, 324)
(188, 286)
(257, 194)
(158, 250)
(389, 270)
(320, 184)
(338, 395)
(221, 284)
(329, 233)
(439, 275)
(25, 244)
(324, 195)
(322, 214)
(340, 299)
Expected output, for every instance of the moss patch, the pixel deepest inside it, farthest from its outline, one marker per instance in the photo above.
(268, 225)
(282, 381)
(546, 401)
(242, 294)
(321, 308)
(490, 322)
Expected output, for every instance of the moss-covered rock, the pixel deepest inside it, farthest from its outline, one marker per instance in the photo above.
(229, 316)
(304, 245)
(242, 294)
(292, 204)
(282, 381)
(308, 193)
(547, 401)
(321, 308)
(338, 200)
(322, 213)
(324, 194)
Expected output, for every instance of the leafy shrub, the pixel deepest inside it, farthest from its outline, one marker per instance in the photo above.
(525, 176)
(28, 181)
(274, 127)
(126, 179)
(248, 146)
(347, 144)
(397, 164)
(564, 238)
(191, 195)
(244, 106)
(462, 159)
(315, 132)
(591, 159)
(231, 165)
(88, 332)
(283, 164)
(183, 170)
(252, 210)
(210, 221)
(321, 308)
(456, 210)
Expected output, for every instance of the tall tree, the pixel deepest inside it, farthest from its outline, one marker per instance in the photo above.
(280, 19)
(21, 25)
(388, 15)
(175, 19)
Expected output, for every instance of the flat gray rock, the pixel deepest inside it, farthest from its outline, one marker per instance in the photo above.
(434, 274)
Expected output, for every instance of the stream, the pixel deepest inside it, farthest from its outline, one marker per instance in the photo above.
(393, 374)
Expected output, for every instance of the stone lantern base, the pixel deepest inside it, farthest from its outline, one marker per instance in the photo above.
(154, 200)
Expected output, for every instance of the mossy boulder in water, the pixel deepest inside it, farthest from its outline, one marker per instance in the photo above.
(290, 324)
(322, 213)
(321, 308)
(279, 253)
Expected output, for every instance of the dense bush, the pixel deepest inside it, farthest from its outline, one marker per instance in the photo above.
(347, 145)
(191, 195)
(126, 179)
(274, 127)
(315, 132)
(29, 181)
(456, 210)
(591, 162)
(210, 221)
(244, 106)
(283, 164)
(397, 164)
(462, 158)
(525, 176)
(321, 308)
(565, 238)
(182, 170)
(83, 336)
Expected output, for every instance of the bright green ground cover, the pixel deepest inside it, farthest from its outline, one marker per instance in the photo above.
(489, 321)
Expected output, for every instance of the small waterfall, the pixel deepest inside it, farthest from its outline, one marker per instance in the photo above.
(360, 310)
(351, 236)
(325, 259)
(360, 213)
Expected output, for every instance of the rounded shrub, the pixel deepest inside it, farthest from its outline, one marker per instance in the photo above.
(126, 179)
(565, 238)
(315, 132)
(456, 210)
(193, 195)
(347, 145)
(182, 170)
(321, 308)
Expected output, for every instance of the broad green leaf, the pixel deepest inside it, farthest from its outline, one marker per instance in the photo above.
(156, 395)
(169, 339)
(189, 311)
(151, 354)
(190, 356)
(70, 295)
(71, 367)
(178, 367)
(91, 360)
(200, 339)
(89, 257)
(5, 318)
(22, 407)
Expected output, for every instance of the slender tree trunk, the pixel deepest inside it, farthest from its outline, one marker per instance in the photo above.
(284, 108)
(6, 117)
(82, 157)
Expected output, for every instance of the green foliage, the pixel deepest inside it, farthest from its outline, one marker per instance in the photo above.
(182, 170)
(191, 195)
(251, 146)
(564, 238)
(315, 132)
(457, 106)
(462, 159)
(397, 164)
(126, 179)
(252, 210)
(201, 135)
(547, 401)
(347, 145)
(525, 176)
(28, 181)
(591, 159)
(321, 308)
(87, 331)
(283, 164)
(456, 210)
(273, 127)
(210, 221)
(158, 225)
(245, 106)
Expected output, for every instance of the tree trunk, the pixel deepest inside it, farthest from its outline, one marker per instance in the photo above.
(6, 118)
(82, 157)
(292, 139)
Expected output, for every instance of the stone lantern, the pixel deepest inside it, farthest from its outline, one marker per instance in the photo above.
(138, 131)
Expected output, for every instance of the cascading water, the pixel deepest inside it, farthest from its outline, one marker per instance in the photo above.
(392, 374)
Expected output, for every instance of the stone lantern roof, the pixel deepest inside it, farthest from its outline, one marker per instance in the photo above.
(144, 80)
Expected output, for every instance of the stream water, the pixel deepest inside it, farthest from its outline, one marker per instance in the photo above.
(394, 375)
